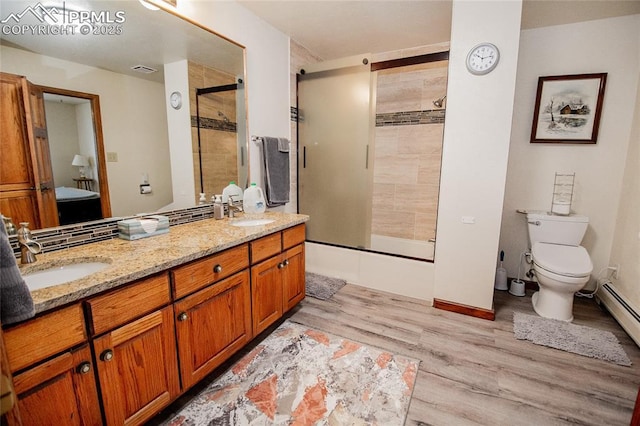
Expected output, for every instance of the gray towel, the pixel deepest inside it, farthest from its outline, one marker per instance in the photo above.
(16, 303)
(275, 153)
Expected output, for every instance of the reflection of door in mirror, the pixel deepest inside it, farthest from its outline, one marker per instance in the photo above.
(48, 149)
(26, 183)
(217, 156)
(75, 133)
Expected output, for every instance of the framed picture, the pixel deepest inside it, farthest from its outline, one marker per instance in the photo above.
(568, 108)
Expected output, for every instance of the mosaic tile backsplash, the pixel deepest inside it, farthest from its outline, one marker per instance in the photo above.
(63, 237)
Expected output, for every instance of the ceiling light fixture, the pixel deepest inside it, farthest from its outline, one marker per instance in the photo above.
(148, 5)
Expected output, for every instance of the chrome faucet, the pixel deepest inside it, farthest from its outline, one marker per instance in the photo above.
(233, 208)
(27, 244)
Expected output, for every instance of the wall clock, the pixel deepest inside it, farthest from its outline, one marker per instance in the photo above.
(176, 100)
(482, 58)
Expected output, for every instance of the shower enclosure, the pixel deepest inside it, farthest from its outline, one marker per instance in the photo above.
(219, 144)
(369, 147)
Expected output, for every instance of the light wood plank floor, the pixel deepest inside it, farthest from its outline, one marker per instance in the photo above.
(473, 371)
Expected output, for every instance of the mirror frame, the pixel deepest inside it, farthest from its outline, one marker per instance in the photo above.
(96, 116)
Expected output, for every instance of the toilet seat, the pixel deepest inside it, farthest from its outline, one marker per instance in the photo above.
(567, 261)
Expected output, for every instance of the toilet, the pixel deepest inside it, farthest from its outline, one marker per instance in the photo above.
(561, 265)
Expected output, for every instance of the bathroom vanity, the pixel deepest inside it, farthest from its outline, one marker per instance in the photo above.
(128, 340)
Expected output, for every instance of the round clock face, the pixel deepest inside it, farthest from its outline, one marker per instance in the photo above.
(176, 100)
(483, 58)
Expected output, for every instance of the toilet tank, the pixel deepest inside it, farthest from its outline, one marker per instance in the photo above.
(547, 228)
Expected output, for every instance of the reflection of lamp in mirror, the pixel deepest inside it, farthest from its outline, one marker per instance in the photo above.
(80, 161)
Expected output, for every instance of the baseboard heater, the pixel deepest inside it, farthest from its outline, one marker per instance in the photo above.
(622, 311)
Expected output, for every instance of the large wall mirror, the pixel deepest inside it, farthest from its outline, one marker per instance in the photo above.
(121, 58)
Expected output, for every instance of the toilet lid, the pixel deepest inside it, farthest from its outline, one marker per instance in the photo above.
(572, 261)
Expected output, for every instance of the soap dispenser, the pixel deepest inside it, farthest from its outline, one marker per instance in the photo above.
(218, 207)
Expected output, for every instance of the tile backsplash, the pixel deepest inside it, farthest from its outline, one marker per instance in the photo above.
(63, 237)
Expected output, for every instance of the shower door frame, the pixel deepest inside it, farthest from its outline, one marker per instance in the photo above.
(375, 66)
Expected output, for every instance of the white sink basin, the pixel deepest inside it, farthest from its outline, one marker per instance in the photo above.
(251, 222)
(61, 274)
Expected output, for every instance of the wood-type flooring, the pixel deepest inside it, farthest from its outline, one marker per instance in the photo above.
(473, 371)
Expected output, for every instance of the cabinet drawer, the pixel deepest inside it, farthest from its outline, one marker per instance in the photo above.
(265, 247)
(293, 236)
(122, 305)
(45, 336)
(201, 273)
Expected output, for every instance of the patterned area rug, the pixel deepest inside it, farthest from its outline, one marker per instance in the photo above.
(322, 287)
(302, 376)
(569, 337)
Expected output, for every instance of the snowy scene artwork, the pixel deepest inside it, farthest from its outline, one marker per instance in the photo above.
(568, 108)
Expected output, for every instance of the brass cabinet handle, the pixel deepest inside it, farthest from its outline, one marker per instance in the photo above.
(280, 265)
(183, 316)
(106, 355)
(286, 262)
(84, 367)
(217, 269)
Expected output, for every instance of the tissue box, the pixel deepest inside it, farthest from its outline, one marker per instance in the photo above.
(143, 227)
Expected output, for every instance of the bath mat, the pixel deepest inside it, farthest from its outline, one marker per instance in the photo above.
(569, 337)
(302, 376)
(322, 287)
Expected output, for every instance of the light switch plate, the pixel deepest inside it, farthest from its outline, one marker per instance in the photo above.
(112, 157)
(468, 220)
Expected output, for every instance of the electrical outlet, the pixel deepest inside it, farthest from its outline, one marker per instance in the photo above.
(112, 157)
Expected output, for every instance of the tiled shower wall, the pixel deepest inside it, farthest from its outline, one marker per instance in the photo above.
(218, 138)
(408, 150)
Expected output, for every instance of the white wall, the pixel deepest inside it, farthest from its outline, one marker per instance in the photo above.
(475, 152)
(608, 45)
(62, 131)
(133, 123)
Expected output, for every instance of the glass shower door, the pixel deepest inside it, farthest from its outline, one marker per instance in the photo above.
(334, 177)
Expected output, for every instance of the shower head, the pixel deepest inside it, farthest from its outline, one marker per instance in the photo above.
(224, 117)
(439, 102)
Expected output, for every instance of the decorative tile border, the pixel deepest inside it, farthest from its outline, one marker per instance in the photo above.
(407, 118)
(214, 124)
(63, 237)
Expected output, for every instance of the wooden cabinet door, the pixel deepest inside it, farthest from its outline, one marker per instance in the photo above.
(62, 391)
(16, 176)
(293, 277)
(27, 192)
(266, 293)
(211, 325)
(137, 368)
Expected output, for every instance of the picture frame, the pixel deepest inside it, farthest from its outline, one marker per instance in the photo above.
(568, 108)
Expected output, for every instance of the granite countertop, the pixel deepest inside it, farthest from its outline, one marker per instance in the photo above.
(132, 260)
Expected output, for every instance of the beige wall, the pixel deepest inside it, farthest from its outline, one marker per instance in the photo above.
(475, 152)
(609, 45)
(62, 130)
(626, 238)
(133, 120)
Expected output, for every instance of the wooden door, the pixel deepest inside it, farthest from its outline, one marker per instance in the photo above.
(41, 158)
(17, 179)
(266, 293)
(27, 193)
(293, 277)
(62, 391)
(137, 368)
(212, 324)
